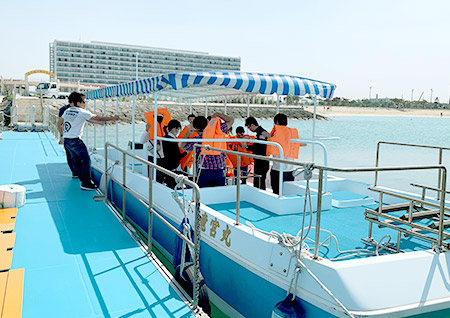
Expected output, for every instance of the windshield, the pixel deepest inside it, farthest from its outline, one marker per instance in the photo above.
(42, 86)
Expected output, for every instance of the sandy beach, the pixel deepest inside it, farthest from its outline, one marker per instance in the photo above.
(377, 111)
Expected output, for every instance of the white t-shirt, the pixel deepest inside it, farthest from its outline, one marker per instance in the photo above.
(74, 119)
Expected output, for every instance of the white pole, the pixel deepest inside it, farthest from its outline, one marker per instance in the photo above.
(155, 133)
(248, 106)
(190, 107)
(86, 126)
(117, 122)
(206, 108)
(314, 126)
(133, 121)
(225, 103)
(278, 103)
(412, 94)
(95, 129)
(370, 92)
(104, 126)
(431, 96)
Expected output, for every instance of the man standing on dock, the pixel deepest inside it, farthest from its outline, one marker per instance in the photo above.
(74, 119)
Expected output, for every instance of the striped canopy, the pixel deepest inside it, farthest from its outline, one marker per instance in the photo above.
(201, 86)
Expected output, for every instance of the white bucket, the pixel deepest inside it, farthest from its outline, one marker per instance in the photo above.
(12, 196)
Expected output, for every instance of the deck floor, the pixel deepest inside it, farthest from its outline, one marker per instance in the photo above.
(79, 261)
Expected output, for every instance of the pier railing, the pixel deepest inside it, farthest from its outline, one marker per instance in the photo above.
(149, 205)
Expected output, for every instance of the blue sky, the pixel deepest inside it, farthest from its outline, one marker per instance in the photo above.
(392, 46)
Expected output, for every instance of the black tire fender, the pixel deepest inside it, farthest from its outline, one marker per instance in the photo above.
(186, 281)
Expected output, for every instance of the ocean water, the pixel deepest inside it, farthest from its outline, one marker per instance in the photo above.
(356, 146)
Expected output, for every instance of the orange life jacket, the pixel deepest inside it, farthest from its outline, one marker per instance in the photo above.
(282, 135)
(149, 117)
(187, 160)
(236, 146)
(229, 164)
(211, 131)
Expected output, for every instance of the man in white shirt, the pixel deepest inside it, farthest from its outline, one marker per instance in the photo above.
(74, 119)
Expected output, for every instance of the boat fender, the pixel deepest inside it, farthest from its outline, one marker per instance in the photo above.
(288, 308)
(186, 281)
(179, 246)
(12, 196)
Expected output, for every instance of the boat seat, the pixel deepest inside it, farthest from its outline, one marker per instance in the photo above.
(11, 293)
(7, 219)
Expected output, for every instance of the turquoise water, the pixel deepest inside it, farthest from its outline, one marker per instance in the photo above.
(356, 146)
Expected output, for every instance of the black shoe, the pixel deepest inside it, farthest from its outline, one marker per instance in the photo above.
(89, 187)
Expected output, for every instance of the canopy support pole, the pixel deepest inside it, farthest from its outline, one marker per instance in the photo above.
(133, 122)
(155, 133)
(278, 104)
(104, 126)
(314, 125)
(190, 107)
(117, 122)
(248, 106)
(206, 108)
(95, 129)
(86, 126)
(225, 104)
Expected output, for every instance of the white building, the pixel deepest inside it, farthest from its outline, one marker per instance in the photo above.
(109, 63)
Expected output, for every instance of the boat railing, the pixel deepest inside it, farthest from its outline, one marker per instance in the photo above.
(149, 205)
(439, 208)
(440, 157)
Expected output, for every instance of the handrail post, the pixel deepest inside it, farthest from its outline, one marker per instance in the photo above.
(238, 189)
(440, 172)
(124, 185)
(376, 163)
(442, 206)
(150, 211)
(106, 171)
(197, 233)
(318, 214)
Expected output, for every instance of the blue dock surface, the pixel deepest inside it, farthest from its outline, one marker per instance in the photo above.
(79, 261)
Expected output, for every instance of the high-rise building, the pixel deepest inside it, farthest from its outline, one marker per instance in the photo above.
(109, 63)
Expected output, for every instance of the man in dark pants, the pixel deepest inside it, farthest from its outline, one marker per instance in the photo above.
(74, 119)
(261, 166)
(70, 160)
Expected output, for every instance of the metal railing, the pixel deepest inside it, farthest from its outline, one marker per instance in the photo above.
(151, 211)
(321, 191)
(441, 149)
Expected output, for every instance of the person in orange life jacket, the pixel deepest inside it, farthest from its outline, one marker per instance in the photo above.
(172, 154)
(212, 166)
(148, 144)
(280, 119)
(261, 166)
(241, 147)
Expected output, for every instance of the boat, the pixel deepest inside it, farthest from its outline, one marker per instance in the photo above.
(332, 245)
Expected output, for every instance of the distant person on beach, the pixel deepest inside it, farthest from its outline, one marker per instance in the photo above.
(172, 153)
(69, 158)
(74, 118)
(210, 166)
(281, 120)
(261, 166)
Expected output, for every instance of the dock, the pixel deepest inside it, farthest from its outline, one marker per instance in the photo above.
(75, 257)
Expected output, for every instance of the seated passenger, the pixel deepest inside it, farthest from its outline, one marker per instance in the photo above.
(210, 164)
(241, 147)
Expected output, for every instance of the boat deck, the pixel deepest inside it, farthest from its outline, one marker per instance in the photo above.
(346, 224)
(79, 261)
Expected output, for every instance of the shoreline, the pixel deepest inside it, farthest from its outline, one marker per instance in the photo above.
(378, 111)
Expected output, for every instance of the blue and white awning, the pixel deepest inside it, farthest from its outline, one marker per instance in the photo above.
(201, 86)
